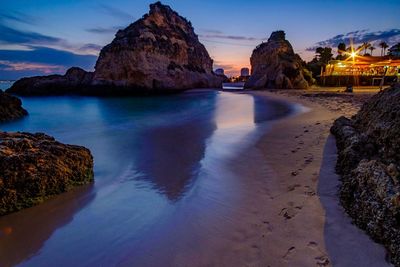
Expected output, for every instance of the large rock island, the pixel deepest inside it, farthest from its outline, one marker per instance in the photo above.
(34, 167)
(158, 53)
(274, 65)
(369, 163)
(10, 107)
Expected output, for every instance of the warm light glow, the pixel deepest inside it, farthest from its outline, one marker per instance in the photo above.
(353, 54)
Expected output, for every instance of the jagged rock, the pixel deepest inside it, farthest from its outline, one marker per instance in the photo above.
(34, 167)
(368, 160)
(158, 53)
(274, 65)
(10, 107)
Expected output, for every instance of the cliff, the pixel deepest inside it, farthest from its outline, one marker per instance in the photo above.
(158, 53)
(369, 163)
(274, 65)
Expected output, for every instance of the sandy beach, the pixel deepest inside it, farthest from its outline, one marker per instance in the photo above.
(306, 225)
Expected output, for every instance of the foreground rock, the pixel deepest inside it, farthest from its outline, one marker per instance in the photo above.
(10, 107)
(369, 162)
(158, 53)
(274, 65)
(34, 167)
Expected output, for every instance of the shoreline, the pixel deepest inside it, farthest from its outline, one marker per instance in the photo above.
(310, 227)
(271, 210)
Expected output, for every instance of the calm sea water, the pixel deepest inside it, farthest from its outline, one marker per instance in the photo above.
(162, 178)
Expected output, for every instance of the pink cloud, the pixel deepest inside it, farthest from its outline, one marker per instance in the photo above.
(21, 66)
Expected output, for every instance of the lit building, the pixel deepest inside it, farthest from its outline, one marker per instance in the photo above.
(244, 72)
(220, 72)
(360, 70)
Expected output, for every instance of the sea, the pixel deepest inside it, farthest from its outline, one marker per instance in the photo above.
(164, 180)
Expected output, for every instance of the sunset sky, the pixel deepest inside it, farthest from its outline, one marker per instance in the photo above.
(47, 36)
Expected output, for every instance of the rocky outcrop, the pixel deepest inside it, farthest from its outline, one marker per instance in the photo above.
(158, 53)
(369, 163)
(75, 81)
(274, 65)
(10, 107)
(34, 167)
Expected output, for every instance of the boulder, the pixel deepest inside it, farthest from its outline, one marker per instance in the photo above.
(10, 107)
(34, 167)
(274, 65)
(369, 164)
(158, 53)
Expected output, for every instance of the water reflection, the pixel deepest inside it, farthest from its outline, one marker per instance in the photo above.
(170, 156)
(162, 178)
(22, 234)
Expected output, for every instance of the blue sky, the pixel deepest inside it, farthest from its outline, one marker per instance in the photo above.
(43, 36)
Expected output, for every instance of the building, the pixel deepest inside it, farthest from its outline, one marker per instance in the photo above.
(220, 72)
(361, 70)
(244, 72)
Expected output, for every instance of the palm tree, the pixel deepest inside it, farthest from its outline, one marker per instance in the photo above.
(371, 48)
(383, 45)
(366, 45)
(395, 50)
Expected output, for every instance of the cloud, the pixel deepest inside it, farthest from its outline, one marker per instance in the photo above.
(229, 37)
(115, 12)
(15, 64)
(14, 36)
(43, 55)
(19, 17)
(6, 65)
(91, 49)
(101, 30)
(390, 36)
(211, 31)
(28, 39)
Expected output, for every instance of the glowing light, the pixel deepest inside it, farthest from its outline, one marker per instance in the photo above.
(353, 54)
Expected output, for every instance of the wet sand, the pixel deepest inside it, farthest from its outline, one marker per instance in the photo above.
(307, 225)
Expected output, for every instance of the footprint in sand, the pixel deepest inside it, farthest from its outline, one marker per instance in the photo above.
(322, 260)
(309, 191)
(289, 253)
(292, 187)
(290, 212)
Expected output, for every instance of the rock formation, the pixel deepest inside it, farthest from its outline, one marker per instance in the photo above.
(10, 107)
(274, 65)
(369, 162)
(75, 81)
(34, 167)
(160, 52)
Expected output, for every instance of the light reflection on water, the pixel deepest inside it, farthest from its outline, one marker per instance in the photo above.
(162, 178)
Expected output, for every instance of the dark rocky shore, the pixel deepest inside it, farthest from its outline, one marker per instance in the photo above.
(34, 167)
(275, 65)
(369, 164)
(10, 107)
(159, 53)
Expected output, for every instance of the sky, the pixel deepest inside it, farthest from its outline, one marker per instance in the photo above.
(46, 36)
